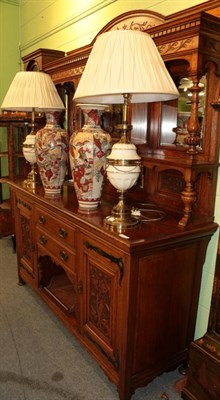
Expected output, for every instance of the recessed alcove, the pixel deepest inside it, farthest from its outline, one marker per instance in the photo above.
(55, 281)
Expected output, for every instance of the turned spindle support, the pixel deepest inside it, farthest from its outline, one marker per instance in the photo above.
(188, 197)
(193, 140)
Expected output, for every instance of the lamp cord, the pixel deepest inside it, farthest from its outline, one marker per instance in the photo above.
(138, 213)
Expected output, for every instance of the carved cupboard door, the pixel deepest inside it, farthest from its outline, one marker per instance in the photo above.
(101, 290)
(25, 241)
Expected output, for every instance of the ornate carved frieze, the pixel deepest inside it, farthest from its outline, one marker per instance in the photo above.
(138, 23)
(178, 46)
(64, 75)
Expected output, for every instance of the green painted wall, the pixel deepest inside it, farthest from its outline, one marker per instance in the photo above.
(9, 44)
(9, 64)
(69, 24)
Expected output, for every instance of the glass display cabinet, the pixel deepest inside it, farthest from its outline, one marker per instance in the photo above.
(13, 131)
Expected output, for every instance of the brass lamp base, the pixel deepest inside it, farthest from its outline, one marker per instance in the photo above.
(32, 179)
(121, 217)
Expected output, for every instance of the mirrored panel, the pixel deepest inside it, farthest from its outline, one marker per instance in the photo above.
(176, 114)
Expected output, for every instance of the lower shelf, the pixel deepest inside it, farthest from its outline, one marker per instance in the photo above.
(61, 289)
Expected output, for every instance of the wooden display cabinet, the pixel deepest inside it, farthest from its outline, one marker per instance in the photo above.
(203, 378)
(181, 178)
(13, 166)
(122, 296)
(131, 297)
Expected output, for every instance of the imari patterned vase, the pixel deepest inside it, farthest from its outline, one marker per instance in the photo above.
(52, 154)
(88, 149)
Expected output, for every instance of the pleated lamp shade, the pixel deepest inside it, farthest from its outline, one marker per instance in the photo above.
(125, 61)
(32, 90)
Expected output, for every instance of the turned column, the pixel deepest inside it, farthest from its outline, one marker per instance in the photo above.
(189, 195)
(193, 127)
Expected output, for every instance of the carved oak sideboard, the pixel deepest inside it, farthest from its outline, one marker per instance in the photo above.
(131, 299)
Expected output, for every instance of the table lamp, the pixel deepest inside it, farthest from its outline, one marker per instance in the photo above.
(124, 67)
(33, 92)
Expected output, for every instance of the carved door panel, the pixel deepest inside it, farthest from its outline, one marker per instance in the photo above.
(101, 285)
(25, 241)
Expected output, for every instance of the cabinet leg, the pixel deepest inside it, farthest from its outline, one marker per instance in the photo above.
(13, 239)
(20, 281)
(183, 368)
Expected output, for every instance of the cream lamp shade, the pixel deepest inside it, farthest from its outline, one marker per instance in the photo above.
(125, 61)
(30, 89)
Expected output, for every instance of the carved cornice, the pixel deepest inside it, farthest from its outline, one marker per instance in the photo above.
(138, 23)
(64, 75)
(169, 36)
(175, 29)
(136, 20)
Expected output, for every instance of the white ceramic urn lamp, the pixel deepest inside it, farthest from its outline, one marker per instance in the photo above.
(124, 67)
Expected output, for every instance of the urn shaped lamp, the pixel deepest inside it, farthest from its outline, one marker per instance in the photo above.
(124, 67)
(34, 92)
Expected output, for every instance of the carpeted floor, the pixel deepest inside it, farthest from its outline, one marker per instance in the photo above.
(41, 360)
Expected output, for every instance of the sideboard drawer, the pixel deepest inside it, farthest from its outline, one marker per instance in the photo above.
(56, 250)
(59, 229)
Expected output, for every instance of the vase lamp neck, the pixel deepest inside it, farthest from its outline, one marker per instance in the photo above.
(92, 118)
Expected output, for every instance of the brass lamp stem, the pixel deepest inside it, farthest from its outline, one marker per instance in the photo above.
(124, 127)
(125, 107)
(33, 121)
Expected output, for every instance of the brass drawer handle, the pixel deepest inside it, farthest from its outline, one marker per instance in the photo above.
(42, 219)
(62, 233)
(63, 255)
(43, 240)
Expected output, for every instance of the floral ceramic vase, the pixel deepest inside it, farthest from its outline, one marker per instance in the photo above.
(52, 154)
(88, 149)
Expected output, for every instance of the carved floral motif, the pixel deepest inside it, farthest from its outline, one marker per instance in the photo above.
(140, 22)
(26, 241)
(100, 300)
(178, 45)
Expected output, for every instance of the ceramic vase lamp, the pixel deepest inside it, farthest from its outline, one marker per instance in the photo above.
(51, 149)
(88, 150)
(32, 91)
(124, 67)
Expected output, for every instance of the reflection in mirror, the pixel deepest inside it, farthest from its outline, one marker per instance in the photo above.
(168, 121)
(175, 119)
(139, 123)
